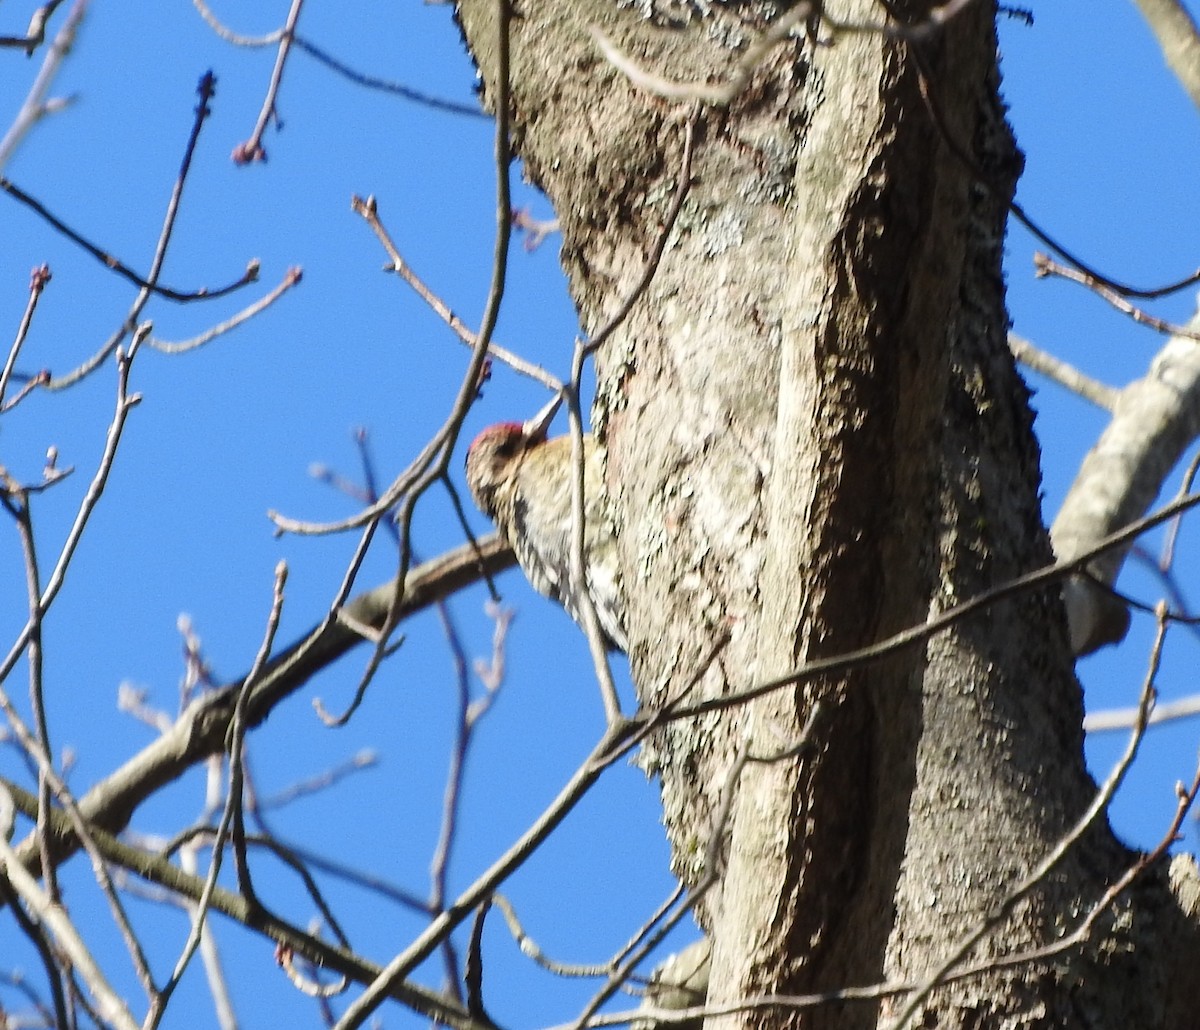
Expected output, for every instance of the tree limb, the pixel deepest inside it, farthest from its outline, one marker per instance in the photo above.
(200, 731)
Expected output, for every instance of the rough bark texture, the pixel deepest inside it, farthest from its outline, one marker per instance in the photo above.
(815, 437)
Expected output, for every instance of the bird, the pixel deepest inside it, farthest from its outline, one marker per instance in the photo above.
(521, 479)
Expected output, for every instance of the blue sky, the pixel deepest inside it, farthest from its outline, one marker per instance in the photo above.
(230, 431)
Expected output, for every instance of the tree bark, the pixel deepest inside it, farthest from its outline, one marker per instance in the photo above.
(815, 437)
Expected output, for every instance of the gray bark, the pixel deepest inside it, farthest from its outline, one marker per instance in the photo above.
(815, 437)
(1154, 420)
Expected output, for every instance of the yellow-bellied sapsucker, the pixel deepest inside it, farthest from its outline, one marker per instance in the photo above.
(522, 481)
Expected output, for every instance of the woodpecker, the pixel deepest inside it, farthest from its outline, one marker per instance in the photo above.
(522, 481)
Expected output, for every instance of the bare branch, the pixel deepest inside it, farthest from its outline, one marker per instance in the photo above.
(1178, 39)
(384, 86)
(38, 281)
(1154, 420)
(227, 34)
(200, 730)
(1045, 266)
(1112, 719)
(35, 35)
(252, 149)
(36, 106)
(126, 402)
(148, 282)
(149, 286)
(1037, 579)
(51, 913)
(369, 211)
(160, 871)
(290, 279)
(1100, 394)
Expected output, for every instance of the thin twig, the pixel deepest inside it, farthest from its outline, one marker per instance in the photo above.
(108, 1002)
(466, 716)
(485, 885)
(385, 86)
(148, 282)
(579, 559)
(214, 972)
(1037, 579)
(1172, 535)
(473, 967)
(42, 378)
(295, 859)
(1045, 266)
(237, 737)
(530, 949)
(231, 817)
(35, 35)
(38, 281)
(536, 230)
(368, 210)
(913, 32)
(306, 984)
(1004, 196)
(158, 870)
(364, 759)
(205, 90)
(125, 404)
(227, 34)
(291, 278)
(252, 149)
(17, 980)
(623, 973)
(405, 899)
(37, 697)
(36, 106)
(1124, 718)
(35, 933)
(683, 183)
(1100, 394)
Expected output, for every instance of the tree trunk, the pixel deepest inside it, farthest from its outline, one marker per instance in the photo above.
(815, 437)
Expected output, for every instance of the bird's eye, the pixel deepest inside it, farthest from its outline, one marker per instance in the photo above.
(507, 447)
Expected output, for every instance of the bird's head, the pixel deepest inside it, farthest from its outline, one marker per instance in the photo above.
(497, 452)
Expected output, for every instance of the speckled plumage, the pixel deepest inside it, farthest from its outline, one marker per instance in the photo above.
(521, 480)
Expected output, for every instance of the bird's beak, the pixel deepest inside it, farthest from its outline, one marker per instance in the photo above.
(537, 427)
